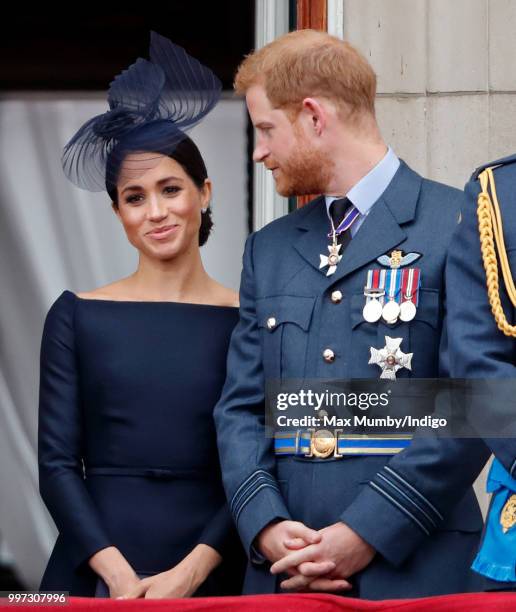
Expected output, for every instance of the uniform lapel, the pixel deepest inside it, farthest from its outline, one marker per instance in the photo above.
(313, 227)
(380, 231)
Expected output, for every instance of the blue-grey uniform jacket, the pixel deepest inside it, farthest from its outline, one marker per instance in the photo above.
(478, 349)
(416, 508)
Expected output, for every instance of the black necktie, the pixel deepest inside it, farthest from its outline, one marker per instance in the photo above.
(338, 210)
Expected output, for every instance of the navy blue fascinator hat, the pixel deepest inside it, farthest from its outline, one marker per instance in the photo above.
(151, 104)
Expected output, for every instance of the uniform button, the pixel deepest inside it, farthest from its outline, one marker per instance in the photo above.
(336, 296)
(328, 355)
(271, 323)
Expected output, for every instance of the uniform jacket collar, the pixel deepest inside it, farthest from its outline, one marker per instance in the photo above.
(380, 231)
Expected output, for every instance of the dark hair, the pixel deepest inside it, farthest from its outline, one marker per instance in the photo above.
(188, 156)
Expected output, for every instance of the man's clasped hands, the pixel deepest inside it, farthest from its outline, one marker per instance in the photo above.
(314, 560)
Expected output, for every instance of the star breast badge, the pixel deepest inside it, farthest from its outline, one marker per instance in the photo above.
(391, 358)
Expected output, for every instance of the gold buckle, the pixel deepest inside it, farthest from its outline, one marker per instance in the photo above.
(324, 443)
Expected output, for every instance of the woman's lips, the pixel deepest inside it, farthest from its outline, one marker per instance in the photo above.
(161, 234)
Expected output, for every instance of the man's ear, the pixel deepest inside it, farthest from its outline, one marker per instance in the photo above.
(316, 114)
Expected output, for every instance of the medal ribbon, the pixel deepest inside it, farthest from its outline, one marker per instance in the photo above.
(393, 282)
(375, 284)
(349, 218)
(411, 280)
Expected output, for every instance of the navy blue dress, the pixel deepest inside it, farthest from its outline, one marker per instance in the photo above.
(127, 445)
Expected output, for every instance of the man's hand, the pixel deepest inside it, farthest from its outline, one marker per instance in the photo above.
(277, 540)
(339, 545)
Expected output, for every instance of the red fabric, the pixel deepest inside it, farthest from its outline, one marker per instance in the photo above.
(292, 603)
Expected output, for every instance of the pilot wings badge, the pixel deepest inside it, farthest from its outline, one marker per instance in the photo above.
(397, 260)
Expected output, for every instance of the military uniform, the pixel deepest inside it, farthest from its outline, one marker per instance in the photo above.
(417, 507)
(478, 347)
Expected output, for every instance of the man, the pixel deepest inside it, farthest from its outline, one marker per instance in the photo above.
(396, 524)
(481, 330)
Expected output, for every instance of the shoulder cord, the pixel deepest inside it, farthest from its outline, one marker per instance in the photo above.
(491, 233)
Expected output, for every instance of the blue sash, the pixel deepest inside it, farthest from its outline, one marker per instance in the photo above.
(496, 558)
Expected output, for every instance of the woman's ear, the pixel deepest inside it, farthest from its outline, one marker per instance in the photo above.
(114, 206)
(206, 192)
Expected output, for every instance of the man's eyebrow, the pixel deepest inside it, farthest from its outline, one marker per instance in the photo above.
(263, 124)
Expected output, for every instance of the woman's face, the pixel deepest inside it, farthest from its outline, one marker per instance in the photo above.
(160, 208)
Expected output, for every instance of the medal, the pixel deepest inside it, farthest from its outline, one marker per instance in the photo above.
(333, 258)
(372, 310)
(391, 310)
(374, 293)
(410, 292)
(391, 358)
(407, 311)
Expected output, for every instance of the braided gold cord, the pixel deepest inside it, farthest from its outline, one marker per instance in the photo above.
(491, 233)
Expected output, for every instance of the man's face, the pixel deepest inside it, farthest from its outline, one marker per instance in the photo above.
(297, 166)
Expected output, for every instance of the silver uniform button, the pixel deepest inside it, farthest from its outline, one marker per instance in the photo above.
(271, 323)
(336, 296)
(328, 355)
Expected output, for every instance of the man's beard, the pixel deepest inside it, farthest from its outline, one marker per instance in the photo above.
(306, 172)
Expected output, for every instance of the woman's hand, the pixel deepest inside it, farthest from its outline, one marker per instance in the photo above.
(121, 584)
(114, 569)
(182, 580)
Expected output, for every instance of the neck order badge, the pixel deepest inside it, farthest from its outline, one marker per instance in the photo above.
(334, 248)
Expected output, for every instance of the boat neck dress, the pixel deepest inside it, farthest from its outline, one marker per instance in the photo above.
(127, 444)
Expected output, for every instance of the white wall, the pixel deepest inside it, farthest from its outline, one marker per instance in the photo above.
(446, 79)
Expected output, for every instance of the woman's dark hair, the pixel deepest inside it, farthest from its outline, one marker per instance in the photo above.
(188, 156)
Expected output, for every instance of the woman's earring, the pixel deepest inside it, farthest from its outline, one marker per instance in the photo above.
(204, 210)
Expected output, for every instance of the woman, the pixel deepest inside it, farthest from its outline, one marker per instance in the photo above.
(130, 372)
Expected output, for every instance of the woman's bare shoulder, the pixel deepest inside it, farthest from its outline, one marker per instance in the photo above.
(112, 291)
(225, 296)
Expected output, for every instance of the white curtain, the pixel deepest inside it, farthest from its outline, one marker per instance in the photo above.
(53, 236)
